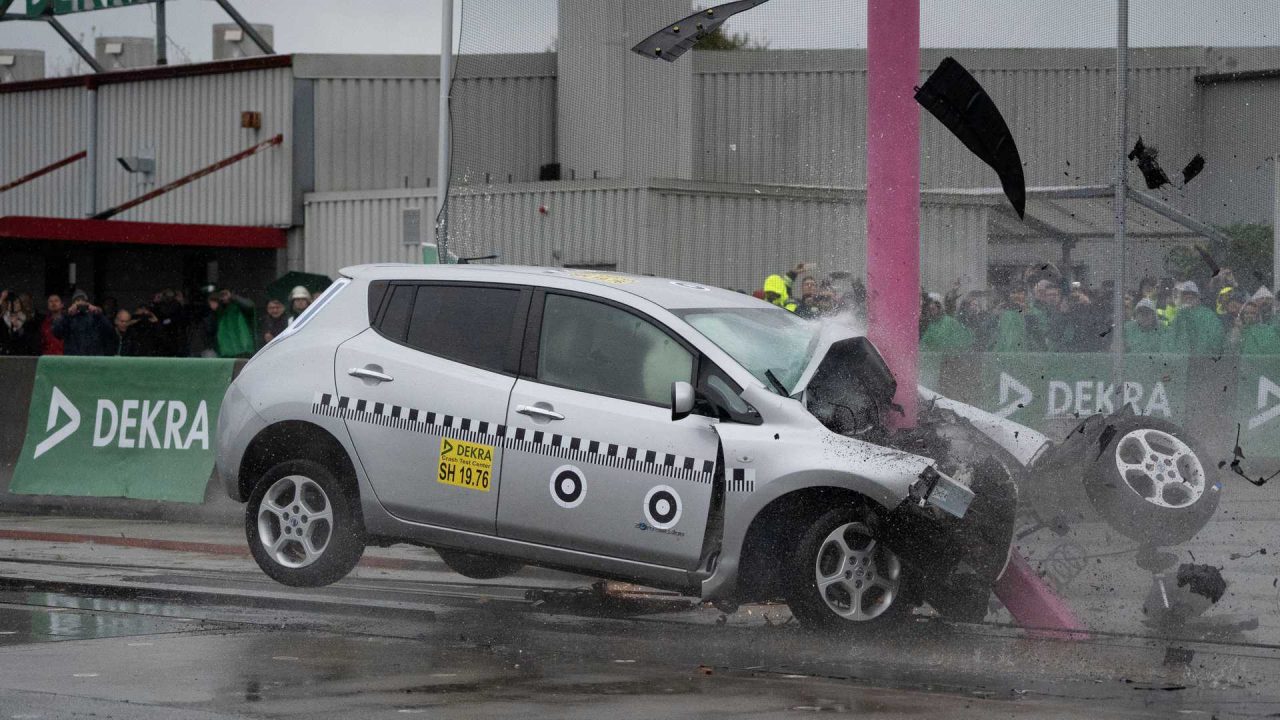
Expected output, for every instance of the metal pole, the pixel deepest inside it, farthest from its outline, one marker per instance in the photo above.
(893, 192)
(162, 51)
(248, 29)
(442, 151)
(1121, 193)
(85, 55)
(91, 150)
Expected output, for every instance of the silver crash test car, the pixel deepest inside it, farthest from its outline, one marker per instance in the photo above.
(656, 431)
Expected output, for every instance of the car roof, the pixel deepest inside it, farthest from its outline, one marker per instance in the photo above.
(665, 292)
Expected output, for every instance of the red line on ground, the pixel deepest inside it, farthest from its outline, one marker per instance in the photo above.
(176, 546)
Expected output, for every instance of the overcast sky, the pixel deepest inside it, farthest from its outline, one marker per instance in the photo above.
(412, 26)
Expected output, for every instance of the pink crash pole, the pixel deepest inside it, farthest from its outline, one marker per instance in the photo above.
(893, 191)
(893, 261)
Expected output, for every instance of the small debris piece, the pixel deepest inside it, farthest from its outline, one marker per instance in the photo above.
(705, 670)
(1203, 580)
(1193, 168)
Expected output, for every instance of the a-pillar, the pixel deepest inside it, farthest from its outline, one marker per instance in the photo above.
(621, 115)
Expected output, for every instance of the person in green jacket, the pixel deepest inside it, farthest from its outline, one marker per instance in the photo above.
(1257, 337)
(1144, 333)
(1011, 327)
(943, 333)
(1196, 330)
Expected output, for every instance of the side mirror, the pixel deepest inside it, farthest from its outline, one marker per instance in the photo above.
(681, 400)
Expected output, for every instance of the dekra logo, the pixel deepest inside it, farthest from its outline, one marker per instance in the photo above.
(130, 424)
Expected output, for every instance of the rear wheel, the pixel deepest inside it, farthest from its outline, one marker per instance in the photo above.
(842, 577)
(302, 526)
(479, 567)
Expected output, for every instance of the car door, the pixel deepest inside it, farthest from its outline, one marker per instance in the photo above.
(594, 462)
(424, 394)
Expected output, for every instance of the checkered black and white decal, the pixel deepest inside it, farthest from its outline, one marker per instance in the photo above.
(742, 480)
(565, 447)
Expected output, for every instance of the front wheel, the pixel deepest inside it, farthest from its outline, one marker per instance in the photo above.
(842, 577)
(1149, 481)
(302, 525)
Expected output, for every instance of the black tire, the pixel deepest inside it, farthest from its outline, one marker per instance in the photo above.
(303, 518)
(878, 608)
(1153, 514)
(479, 567)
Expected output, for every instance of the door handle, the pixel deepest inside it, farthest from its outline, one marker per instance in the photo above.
(539, 412)
(368, 374)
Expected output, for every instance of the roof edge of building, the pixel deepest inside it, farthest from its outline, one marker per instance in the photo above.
(159, 72)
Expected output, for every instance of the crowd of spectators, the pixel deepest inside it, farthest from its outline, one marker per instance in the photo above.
(1040, 310)
(215, 323)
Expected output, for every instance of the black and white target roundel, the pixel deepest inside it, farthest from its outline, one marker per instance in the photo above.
(568, 486)
(662, 507)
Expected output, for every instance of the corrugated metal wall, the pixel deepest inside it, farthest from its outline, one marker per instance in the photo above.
(353, 228)
(41, 128)
(191, 122)
(570, 223)
(380, 132)
(800, 116)
(1245, 140)
(734, 236)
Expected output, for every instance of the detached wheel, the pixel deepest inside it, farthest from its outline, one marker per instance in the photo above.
(479, 567)
(302, 526)
(1151, 483)
(842, 578)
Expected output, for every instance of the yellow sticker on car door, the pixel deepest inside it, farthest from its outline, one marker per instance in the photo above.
(465, 464)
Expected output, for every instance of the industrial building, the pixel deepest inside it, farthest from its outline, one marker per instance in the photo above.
(721, 168)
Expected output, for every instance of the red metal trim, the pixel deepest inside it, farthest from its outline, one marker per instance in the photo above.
(208, 170)
(140, 233)
(43, 171)
(162, 72)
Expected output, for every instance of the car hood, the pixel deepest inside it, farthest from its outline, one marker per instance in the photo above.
(842, 348)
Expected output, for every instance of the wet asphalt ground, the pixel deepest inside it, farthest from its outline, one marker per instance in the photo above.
(98, 631)
(134, 628)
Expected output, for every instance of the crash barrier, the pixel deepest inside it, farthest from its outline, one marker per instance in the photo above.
(104, 427)
(1050, 392)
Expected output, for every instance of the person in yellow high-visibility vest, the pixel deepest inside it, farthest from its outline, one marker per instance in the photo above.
(777, 288)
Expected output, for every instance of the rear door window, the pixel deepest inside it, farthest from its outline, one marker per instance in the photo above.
(394, 323)
(466, 323)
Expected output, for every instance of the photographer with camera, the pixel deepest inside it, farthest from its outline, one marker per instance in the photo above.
(83, 329)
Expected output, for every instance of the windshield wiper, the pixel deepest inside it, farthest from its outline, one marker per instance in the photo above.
(777, 384)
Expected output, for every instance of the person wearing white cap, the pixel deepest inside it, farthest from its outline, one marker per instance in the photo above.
(299, 299)
(1196, 330)
(1144, 333)
(1266, 303)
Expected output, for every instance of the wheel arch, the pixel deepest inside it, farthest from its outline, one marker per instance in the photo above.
(775, 529)
(290, 440)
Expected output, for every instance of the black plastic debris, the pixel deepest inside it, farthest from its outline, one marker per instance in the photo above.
(1192, 169)
(1151, 170)
(1203, 580)
(960, 103)
(678, 38)
(1208, 260)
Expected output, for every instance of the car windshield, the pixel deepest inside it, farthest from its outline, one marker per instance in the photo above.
(760, 339)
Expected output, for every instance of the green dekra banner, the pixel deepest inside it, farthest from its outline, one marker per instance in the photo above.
(1259, 404)
(1037, 388)
(122, 427)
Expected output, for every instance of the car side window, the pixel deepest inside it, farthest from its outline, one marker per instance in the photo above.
(395, 319)
(465, 323)
(598, 348)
